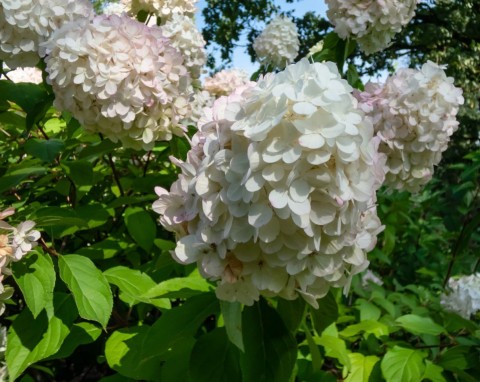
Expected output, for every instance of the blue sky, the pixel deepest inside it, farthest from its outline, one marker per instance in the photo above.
(240, 59)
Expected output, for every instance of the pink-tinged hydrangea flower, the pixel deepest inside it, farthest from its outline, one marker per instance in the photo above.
(33, 75)
(120, 78)
(185, 36)
(15, 243)
(164, 9)
(198, 101)
(372, 23)
(277, 195)
(463, 296)
(225, 82)
(24, 24)
(278, 44)
(414, 115)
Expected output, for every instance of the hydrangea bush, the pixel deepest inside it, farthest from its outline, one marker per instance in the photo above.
(158, 224)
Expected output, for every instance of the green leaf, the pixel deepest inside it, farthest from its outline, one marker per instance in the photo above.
(90, 288)
(26, 95)
(419, 325)
(133, 284)
(33, 339)
(457, 358)
(141, 227)
(35, 275)
(106, 249)
(370, 327)
(361, 367)
(215, 350)
(292, 312)
(94, 214)
(433, 372)
(326, 313)
(368, 311)
(403, 365)
(80, 171)
(46, 150)
(232, 317)
(138, 352)
(334, 348)
(180, 287)
(270, 348)
(81, 334)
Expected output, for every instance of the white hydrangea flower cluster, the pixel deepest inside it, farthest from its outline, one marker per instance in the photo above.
(15, 243)
(164, 9)
(198, 101)
(185, 36)
(32, 75)
(120, 78)
(414, 115)
(463, 296)
(25, 24)
(277, 194)
(225, 82)
(278, 44)
(373, 23)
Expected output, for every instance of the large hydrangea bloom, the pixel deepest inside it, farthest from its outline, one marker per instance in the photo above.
(24, 24)
(277, 194)
(373, 23)
(463, 296)
(414, 115)
(185, 36)
(225, 82)
(278, 44)
(164, 9)
(120, 78)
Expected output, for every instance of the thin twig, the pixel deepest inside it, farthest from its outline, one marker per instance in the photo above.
(115, 174)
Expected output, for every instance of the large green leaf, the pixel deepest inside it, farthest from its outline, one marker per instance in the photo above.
(133, 284)
(403, 365)
(215, 350)
(326, 313)
(35, 276)
(376, 328)
(89, 286)
(80, 334)
(232, 317)
(335, 348)
(180, 287)
(419, 325)
(361, 367)
(33, 339)
(46, 150)
(138, 352)
(141, 227)
(292, 312)
(433, 372)
(270, 348)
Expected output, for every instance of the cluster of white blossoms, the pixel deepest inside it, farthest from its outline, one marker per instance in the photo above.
(25, 24)
(277, 195)
(278, 44)
(164, 9)
(225, 82)
(463, 296)
(414, 115)
(32, 75)
(120, 78)
(185, 36)
(373, 23)
(15, 243)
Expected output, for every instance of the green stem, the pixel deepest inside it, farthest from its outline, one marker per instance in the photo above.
(317, 360)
